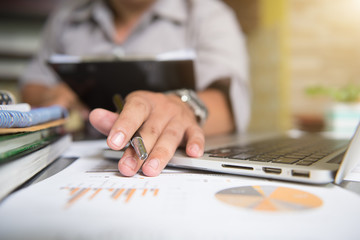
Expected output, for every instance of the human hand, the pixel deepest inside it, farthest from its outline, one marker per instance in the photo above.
(62, 95)
(164, 121)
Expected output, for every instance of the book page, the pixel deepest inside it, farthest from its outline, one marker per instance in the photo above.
(91, 200)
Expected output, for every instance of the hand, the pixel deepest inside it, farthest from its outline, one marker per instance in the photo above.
(39, 95)
(164, 121)
(62, 95)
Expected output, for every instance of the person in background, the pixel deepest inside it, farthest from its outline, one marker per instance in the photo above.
(151, 27)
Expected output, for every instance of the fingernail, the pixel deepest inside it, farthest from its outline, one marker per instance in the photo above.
(117, 139)
(153, 163)
(130, 162)
(194, 150)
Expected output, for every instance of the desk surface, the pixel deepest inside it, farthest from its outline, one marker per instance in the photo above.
(89, 199)
(62, 163)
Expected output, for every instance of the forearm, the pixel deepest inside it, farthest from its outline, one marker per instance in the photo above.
(34, 94)
(220, 118)
(41, 95)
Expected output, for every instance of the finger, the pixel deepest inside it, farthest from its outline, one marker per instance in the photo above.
(129, 163)
(195, 141)
(102, 120)
(154, 126)
(136, 111)
(164, 149)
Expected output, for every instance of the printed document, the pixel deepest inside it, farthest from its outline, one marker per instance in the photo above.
(91, 200)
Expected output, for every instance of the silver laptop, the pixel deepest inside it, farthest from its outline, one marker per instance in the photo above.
(308, 158)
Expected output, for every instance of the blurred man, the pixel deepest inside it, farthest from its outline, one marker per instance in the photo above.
(150, 27)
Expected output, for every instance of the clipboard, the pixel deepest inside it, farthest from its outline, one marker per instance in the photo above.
(95, 81)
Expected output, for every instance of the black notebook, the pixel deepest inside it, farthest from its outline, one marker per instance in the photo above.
(97, 80)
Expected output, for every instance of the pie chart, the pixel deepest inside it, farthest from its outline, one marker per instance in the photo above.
(269, 198)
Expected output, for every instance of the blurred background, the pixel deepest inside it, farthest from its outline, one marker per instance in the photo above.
(292, 44)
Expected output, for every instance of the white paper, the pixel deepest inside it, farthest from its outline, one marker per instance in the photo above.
(183, 54)
(91, 200)
(354, 174)
(178, 55)
(85, 148)
(63, 58)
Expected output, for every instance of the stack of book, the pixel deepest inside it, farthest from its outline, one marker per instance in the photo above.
(30, 139)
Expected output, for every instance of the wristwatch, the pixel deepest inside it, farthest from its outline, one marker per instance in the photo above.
(189, 97)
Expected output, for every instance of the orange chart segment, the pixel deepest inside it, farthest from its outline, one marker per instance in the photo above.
(297, 197)
(125, 195)
(269, 198)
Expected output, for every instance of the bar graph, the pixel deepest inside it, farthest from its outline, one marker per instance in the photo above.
(123, 195)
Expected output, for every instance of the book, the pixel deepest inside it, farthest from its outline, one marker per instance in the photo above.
(21, 107)
(30, 139)
(11, 141)
(15, 173)
(13, 119)
(54, 123)
(22, 150)
(14, 146)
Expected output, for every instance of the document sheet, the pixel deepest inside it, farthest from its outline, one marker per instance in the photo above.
(91, 200)
(354, 174)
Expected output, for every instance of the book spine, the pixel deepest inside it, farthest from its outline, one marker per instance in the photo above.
(10, 119)
(12, 141)
(21, 107)
(22, 150)
(15, 173)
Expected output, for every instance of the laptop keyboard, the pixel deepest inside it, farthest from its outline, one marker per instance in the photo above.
(303, 151)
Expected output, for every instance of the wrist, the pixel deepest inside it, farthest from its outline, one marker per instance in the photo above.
(190, 97)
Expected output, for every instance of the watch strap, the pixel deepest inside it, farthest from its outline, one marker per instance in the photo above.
(190, 97)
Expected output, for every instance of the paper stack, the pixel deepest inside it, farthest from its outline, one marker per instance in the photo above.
(30, 139)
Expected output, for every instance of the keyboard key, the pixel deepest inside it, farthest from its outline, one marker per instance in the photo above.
(261, 159)
(243, 156)
(311, 159)
(285, 160)
(304, 163)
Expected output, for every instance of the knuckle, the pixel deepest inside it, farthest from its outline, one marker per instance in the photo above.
(196, 129)
(154, 131)
(160, 96)
(141, 106)
(162, 151)
(131, 95)
(174, 131)
(139, 103)
(170, 107)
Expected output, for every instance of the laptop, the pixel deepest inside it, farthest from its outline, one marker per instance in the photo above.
(297, 157)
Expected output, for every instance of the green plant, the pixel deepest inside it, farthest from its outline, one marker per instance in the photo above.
(348, 93)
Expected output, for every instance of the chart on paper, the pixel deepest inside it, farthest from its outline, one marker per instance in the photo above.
(89, 184)
(101, 184)
(269, 198)
(121, 194)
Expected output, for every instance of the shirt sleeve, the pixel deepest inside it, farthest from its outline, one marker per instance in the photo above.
(38, 71)
(221, 53)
